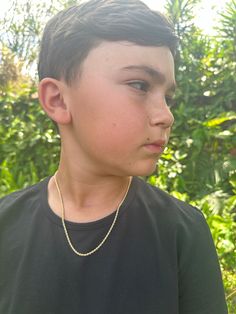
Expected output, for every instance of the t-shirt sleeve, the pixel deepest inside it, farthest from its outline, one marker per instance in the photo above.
(200, 282)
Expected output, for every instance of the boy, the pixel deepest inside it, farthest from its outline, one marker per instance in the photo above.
(94, 238)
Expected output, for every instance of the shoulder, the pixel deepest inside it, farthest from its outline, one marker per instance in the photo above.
(175, 219)
(166, 210)
(14, 204)
(185, 238)
(162, 202)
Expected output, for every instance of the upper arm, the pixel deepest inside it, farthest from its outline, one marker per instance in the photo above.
(200, 282)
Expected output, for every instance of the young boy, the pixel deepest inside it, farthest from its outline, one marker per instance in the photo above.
(94, 238)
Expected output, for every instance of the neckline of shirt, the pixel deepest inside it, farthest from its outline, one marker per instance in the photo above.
(84, 225)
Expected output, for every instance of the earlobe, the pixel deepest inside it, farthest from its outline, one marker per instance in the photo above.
(51, 96)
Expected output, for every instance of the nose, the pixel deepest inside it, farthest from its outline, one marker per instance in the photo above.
(160, 114)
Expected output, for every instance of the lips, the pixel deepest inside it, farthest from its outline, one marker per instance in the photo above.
(156, 147)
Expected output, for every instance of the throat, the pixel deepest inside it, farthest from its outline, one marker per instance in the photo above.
(85, 210)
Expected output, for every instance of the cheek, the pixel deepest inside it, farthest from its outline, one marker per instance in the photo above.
(107, 121)
(125, 126)
(109, 116)
(118, 132)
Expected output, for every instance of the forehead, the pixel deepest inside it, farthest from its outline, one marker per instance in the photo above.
(114, 57)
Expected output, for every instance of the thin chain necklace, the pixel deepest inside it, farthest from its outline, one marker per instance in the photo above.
(64, 225)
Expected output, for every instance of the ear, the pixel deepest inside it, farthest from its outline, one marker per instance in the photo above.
(51, 96)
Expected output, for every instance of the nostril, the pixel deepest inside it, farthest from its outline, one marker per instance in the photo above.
(163, 117)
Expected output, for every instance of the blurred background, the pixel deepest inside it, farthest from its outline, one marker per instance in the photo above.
(199, 166)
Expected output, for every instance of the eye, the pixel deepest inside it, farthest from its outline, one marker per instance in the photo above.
(140, 85)
(170, 101)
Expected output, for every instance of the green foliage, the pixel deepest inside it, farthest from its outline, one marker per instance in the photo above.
(29, 144)
(8, 69)
(199, 166)
(23, 24)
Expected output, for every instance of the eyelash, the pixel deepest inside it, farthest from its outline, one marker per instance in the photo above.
(170, 101)
(144, 86)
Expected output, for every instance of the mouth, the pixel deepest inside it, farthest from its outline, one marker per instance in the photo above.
(156, 147)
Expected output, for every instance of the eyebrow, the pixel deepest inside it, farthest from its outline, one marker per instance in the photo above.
(153, 73)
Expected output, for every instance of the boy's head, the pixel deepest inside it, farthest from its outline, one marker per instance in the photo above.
(71, 34)
(106, 72)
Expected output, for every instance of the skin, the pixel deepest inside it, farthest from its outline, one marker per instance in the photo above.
(109, 118)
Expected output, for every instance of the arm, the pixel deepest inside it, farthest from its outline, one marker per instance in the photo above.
(200, 283)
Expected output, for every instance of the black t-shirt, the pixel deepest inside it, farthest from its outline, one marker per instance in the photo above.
(158, 259)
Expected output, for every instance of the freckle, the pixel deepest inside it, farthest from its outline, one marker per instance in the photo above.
(148, 139)
(114, 124)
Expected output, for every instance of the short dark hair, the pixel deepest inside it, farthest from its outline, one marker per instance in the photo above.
(72, 33)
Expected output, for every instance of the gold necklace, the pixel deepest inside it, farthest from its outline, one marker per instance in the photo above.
(64, 225)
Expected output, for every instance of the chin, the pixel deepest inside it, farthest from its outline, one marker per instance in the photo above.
(145, 173)
(144, 170)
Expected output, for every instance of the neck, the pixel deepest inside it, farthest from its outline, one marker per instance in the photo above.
(86, 197)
